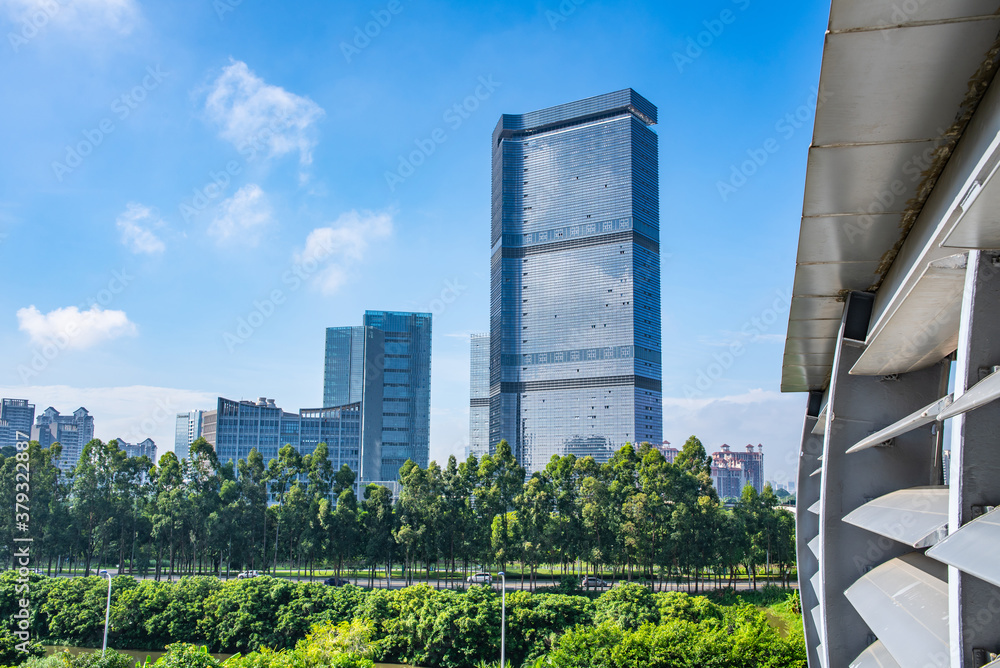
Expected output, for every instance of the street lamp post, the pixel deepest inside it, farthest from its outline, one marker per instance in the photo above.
(107, 613)
(503, 619)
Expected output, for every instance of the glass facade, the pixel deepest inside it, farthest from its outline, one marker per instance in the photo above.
(575, 277)
(16, 415)
(186, 431)
(479, 395)
(406, 395)
(236, 427)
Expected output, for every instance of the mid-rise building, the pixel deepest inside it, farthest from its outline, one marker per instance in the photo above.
(575, 361)
(734, 470)
(72, 432)
(146, 448)
(16, 415)
(479, 395)
(187, 430)
(235, 428)
(669, 452)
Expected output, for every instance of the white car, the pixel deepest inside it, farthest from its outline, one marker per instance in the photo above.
(592, 581)
(247, 574)
(480, 578)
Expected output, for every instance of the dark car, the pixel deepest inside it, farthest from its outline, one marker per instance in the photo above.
(336, 582)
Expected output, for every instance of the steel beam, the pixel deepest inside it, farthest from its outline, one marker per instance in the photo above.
(975, 457)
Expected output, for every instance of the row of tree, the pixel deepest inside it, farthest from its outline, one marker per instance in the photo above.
(638, 515)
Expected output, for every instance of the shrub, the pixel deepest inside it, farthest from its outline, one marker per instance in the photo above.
(629, 606)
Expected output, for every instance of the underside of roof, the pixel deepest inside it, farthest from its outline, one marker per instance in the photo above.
(897, 91)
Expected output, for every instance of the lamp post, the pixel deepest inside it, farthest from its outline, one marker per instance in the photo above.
(503, 619)
(107, 613)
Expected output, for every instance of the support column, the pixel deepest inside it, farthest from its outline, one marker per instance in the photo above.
(807, 489)
(859, 406)
(974, 605)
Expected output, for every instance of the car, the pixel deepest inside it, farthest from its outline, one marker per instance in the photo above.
(480, 578)
(336, 582)
(247, 574)
(593, 581)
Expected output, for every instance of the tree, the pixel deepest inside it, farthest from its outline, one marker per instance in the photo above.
(500, 481)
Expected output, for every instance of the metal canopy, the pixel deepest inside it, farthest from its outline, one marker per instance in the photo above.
(876, 656)
(917, 516)
(897, 88)
(924, 416)
(905, 604)
(924, 328)
(973, 548)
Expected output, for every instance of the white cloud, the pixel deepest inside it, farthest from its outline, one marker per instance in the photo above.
(330, 252)
(131, 413)
(242, 217)
(135, 224)
(257, 117)
(72, 328)
(79, 16)
(769, 418)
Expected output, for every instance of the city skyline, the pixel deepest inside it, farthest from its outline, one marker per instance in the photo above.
(218, 244)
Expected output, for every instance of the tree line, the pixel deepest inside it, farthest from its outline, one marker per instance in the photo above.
(638, 516)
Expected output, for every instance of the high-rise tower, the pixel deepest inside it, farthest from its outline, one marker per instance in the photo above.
(575, 270)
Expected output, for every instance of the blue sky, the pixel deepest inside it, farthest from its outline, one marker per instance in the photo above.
(173, 170)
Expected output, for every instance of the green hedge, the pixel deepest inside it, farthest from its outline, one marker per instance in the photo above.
(417, 625)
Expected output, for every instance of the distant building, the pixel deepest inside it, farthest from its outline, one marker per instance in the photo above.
(406, 395)
(146, 448)
(16, 415)
(732, 471)
(669, 453)
(385, 366)
(72, 432)
(187, 431)
(946, 465)
(237, 427)
(479, 395)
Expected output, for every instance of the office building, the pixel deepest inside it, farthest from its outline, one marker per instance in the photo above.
(479, 395)
(235, 428)
(406, 394)
(72, 432)
(575, 272)
(895, 299)
(186, 431)
(16, 415)
(385, 366)
(732, 471)
(146, 448)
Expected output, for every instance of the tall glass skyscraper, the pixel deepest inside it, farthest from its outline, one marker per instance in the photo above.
(479, 395)
(406, 394)
(575, 271)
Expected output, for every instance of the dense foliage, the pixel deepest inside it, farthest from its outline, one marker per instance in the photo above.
(269, 621)
(637, 516)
